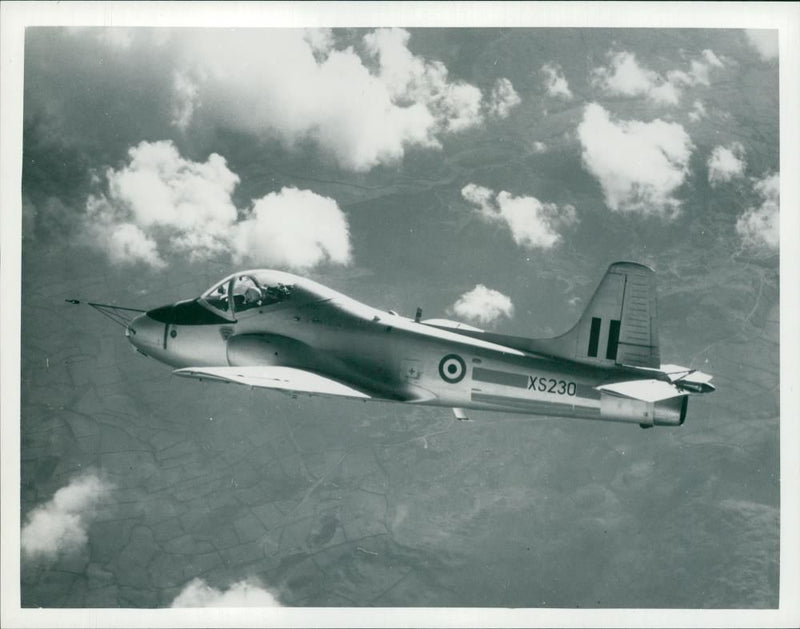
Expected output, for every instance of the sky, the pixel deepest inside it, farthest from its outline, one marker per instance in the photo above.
(488, 175)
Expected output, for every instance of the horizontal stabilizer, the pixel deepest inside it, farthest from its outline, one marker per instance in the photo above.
(646, 390)
(274, 377)
(689, 379)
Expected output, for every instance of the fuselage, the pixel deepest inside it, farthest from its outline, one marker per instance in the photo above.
(311, 327)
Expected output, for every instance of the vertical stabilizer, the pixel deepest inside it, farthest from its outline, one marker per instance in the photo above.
(619, 325)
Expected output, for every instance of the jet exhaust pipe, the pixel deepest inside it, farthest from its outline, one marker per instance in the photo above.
(669, 412)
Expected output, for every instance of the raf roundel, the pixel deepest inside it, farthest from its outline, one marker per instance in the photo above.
(452, 368)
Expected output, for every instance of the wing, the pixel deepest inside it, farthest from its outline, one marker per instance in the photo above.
(271, 377)
(646, 390)
(682, 379)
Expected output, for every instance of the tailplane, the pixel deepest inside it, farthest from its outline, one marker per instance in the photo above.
(618, 327)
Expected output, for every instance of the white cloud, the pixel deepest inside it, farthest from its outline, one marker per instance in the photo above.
(503, 98)
(298, 86)
(242, 594)
(454, 105)
(725, 163)
(160, 203)
(624, 76)
(698, 71)
(160, 191)
(59, 526)
(321, 40)
(712, 59)
(294, 228)
(161, 194)
(639, 164)
(125, 243)
(186, 95)
(698, 111)
(759, 227)
(556, 82)
(539, 147)
(765, 41)
(480, 196)
(533, 224)
(483, 305)
(665, 93)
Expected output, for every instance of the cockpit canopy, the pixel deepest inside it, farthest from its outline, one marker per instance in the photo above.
(250, 289)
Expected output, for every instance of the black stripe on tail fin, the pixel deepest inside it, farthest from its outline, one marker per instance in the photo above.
(618, 327)
(594, 336)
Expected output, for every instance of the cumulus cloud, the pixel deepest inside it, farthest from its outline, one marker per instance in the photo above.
(639, 164)
(242, 594)
(294, 227)
(162, 203)
(60, 525)
(539, 147)
(159, 192)
(503, 99)
(159, 187)
(454, 105)
(624, 76)
(186, 95)
(765, 41)
(712, 58)
(126, 243)
(321, 40)
(533, 224)
(759, 226)
(556, 82)
(698, 73)
(482, 305)
(698, 111)
(725, 163)
(362, 109)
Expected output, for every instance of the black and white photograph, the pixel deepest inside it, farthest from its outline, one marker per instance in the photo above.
(464, 314)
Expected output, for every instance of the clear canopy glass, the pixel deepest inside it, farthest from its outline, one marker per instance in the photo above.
(243, 291)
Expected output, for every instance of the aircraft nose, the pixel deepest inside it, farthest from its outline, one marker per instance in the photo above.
(145, 333)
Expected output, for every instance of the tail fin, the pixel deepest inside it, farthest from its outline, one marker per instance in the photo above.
(619, 326)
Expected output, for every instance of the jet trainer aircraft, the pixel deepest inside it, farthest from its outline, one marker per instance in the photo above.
(275, 330)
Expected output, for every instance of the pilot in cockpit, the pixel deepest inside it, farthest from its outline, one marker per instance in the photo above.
(252, 297)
